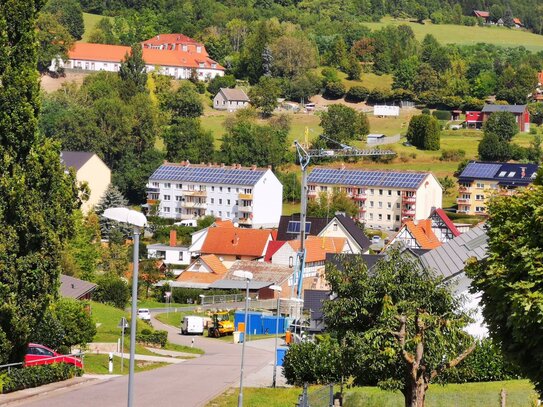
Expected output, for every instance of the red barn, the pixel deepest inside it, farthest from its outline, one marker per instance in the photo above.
(474, 119)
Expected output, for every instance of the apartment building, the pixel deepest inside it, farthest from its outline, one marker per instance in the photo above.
(385, 199)
(249, 196)
(480, 180)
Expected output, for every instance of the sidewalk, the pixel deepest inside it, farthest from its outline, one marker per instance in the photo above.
(148, 358)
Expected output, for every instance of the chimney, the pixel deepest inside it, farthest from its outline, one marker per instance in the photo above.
(173, 238)
(234, 166)
(253, 167)
(202, 163)
(523, 172)
(342, 166)
(188, 163)
(158, 37)
(269, 167)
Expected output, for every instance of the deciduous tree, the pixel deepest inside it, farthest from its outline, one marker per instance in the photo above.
(343, 124)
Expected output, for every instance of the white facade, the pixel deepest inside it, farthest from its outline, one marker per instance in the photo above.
(258, 205)
(230, 100)
(382, 110)
(178, 255)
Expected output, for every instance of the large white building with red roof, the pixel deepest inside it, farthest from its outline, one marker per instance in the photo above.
(174, 55)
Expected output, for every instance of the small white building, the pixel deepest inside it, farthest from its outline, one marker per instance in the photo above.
(230, 99)
(89, 169)
(386, 111)
(249, 196)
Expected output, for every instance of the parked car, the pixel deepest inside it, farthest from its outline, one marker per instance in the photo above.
(192, 325)
(144, 314)
(376, 240)
(42, 355)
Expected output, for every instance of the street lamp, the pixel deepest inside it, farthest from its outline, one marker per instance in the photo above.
(298, 303)
(248, 276)
(278, 290)
(138, 221)
(202, 296)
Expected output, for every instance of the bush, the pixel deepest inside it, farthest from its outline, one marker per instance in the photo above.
(442, 114)
(153, 338)
(424, 132)
(218, 82)
(34, 376)
(112, 290)
(425, 111)
(334, 90)
(357, 94)
(452, 155)
(329, 75)
(201, 87)
(469, 21)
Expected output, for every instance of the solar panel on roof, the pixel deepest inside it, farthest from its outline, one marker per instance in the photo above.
(207, 175)
(294, 226)
(480, 170)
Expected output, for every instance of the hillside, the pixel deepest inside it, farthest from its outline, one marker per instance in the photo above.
(463, 35)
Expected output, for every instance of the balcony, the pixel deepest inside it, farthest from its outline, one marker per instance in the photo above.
(362, 209)
(464, 189)
(152, 201)
(359, 197)
(462, 201)
(409, 199)
(247, 197)
(408, 212)
(245, 221)
(245, 208)
(186, 216)
(195, 193)
(151, 190)
(311, 193)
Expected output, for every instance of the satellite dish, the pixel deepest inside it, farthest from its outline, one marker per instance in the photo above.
(236, 224)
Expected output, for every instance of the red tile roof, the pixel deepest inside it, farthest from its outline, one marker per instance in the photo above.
(170, 39)
(317, 247)
(98, 52)
(423, 234)
(273, 246)
(517, 21)
(482, 14)
(236, 241)
(441, 213)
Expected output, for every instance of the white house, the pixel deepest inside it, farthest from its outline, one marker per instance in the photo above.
(230, 99)
(170, 254)
(89, 169)
(385, 199)
(249, 196)
(176, 58)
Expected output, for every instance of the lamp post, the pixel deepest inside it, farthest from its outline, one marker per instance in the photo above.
(202, 296)
(248, 276)
(138, 221)
(298, 304)
(278, 290)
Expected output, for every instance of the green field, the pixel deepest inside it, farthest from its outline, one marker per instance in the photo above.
(99, 364)
(520, 393)
(90, 21)
(455, 34)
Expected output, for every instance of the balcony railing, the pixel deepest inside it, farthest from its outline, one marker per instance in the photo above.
(362, 209)
(192, 204)
(152, 201)
(464, 189)
(153, 189)
(245, 221)
(311, 193)
(245, 208)
(359, 197)
(409, 199)
(462, 200)
(247, 197)
(408, 212)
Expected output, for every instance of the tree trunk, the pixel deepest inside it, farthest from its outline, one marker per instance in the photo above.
(415, 392)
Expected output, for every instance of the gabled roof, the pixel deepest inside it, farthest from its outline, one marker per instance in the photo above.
(482, 14)
(273, 246)
(71, 287)
(443, 216)
(423, 234)
(506, 174)
(98, 52)
(236, 242)
(234, 95)
(316, 225)
(516, 109)
(214, 263)
(75, 159)
(316, 247)
(449, 259)
(356, 233)
(173, 38)
(264, 272)
(366, 178)
(517, 21)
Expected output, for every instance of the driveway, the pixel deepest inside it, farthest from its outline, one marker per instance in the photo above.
(191, 383)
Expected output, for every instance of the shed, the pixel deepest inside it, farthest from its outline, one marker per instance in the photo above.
(230, 99)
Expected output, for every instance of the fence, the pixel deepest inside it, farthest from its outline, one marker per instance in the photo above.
(317, 397)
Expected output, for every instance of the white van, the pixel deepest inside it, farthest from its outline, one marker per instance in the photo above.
(192, 325)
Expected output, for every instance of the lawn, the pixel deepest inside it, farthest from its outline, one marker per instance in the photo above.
(519, 393)
(151, 303)
(99, 364)
(455, 34)
(107, 319)
(90, 21)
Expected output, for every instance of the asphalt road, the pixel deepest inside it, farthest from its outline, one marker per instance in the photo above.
(191, 383)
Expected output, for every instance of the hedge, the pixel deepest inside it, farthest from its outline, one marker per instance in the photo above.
(442, 114)
(34, 376)
(154, 338)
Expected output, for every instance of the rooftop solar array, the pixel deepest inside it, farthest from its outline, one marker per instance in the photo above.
(208, 175)
(481, 170)
(391, 179)
(294, 227)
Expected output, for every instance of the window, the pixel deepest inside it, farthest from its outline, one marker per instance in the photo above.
(479, 209)
(160, 254)
(398, 205)
(389, 205)
(167, 185)
(156, 184)
(212, 188)
(380, 204)
(166, 209)
(389, 217)
(479, 197)
(397, 218)
(511, 174)
(480, 185)
(220, 189)
(212, 200)
(228, 189)
(324, 188)
(399, 192)
(334, 227)
(177, 210)
(227, 214)
(154, 196)
(184, 47)
(380, 192)
(371, 204)
(371, 191)
(371, 216)
(389, 192)
(198, 49)
(220, 213)
(237, 202)
(237, 190)
(228, 201)
(179, 186)
(181, 256)
(380, 216)
(220, 201)
(178, 198)
(502, 174)
(166, 197)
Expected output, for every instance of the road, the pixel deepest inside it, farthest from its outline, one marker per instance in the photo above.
(192, 383)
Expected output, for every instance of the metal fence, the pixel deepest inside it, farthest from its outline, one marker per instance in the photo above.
(317, 397)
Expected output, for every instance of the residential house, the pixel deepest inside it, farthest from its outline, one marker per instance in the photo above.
(231, 244)
(174, 55)
(289, 226)
(474, 119)
(522, 115)
(427, 234)
(345, 227)
(71, 287)
(483, 15)
(385, 199)
(264, 275)
(201, 273)
(230, 99)
(171, 254)
(480, 180)
(249, 196)
(91, 170)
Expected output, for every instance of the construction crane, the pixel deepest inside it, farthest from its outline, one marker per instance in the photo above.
(304, 156)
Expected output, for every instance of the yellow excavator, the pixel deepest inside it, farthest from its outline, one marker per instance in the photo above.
(221, 325)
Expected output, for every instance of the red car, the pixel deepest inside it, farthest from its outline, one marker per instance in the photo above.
(42, 355)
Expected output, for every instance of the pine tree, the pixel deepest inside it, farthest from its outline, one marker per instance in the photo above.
(110, 229)
(133, 73)
(37, 197)
(267, 61)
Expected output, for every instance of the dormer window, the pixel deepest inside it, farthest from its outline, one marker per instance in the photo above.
(202, 64)
(185, 48)
(511, 174)
(198, 49)
(502, 174)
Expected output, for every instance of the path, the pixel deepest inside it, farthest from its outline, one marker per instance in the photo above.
(191, 383)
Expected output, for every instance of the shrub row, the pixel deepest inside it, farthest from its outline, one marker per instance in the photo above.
(188, 295)
(153, 338)
(34, 376)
